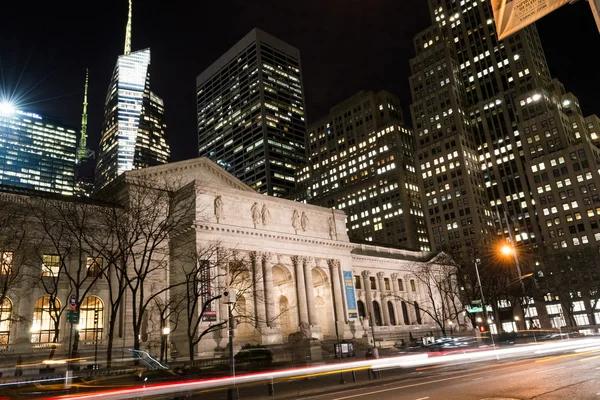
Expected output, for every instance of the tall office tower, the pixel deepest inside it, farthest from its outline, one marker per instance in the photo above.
(471, 153)
(84, 180)
(361, 160)
(251, 117)
(133, 133)
(36, 152)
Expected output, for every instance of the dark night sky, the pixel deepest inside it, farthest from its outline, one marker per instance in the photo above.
(346, 46)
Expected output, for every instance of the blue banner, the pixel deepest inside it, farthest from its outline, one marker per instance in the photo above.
(350, 297)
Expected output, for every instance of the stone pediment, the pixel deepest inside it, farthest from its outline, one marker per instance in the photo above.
(183, 172)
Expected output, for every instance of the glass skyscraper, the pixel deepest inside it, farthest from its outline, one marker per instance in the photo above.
(133, 133)
(251, 117)
(36, 152)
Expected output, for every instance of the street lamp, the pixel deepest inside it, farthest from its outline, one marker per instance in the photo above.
(230, 297)
(484, 309)
(165, 335)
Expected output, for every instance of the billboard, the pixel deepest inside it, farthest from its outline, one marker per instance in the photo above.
(350, 298)
(595, 4)
(206, 277)
(513, 15)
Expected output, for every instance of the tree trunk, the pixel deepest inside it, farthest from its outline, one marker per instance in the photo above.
(111, 332)
(191, 347)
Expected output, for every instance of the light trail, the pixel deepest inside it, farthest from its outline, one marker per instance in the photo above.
(405, 361)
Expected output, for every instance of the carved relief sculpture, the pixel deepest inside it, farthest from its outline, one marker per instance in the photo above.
(296, 220)
(256, 214)
(265, 214)
(304, 221)
(219, 208)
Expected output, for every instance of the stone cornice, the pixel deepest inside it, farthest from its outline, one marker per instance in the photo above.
(272, 235)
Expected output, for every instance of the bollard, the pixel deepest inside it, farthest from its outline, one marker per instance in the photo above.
(369, 373)
(354, 376)
(271, 388)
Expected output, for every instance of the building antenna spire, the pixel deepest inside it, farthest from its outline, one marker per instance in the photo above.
(128, 31)
(81, 150)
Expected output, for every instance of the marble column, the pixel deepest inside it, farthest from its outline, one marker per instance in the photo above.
(300, 290)
(338, 302)
(259, 292)
(384, 306)
(310, 291)
(270, 316)
(397, 299)
(371, 313)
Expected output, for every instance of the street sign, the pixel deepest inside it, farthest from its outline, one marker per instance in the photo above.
(73, 302)
(73, 317)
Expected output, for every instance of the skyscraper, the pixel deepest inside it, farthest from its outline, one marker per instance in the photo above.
(36, 152)
(133, 133)
(84, 180)
(361, 160)
(251, 117)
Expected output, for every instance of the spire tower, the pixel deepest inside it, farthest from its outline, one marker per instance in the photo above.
(82, 152)
(128, 31)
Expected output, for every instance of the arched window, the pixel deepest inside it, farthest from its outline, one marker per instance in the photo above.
(418, 313)
(5, 318)
(44, 328)
(377, 312)
(405, 314)
(391, 312)
(91, 318)
(361, 308)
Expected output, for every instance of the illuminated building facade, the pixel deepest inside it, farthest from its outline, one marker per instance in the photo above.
(133, 133)
(36, 152)
(251, 118)
(361, 161)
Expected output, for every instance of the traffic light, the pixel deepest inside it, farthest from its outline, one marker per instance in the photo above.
(481, 328)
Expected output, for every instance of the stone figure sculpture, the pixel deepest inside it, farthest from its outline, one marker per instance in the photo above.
(265, 214)
(304, 221)
(331, 223)
(256, 214)
(218, 208)
(296, 220)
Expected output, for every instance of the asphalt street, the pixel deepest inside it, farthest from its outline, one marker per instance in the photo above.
(563, 376)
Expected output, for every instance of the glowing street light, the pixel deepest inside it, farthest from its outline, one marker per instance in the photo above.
(506, 250)
(7, 108)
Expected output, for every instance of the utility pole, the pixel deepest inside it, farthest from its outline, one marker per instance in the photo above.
(233, 392)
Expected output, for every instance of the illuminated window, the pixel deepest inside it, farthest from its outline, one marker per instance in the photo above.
(5, 319)
(44, 327)
(91, 320)
(50, 265)
(6, 263)
(94, 267)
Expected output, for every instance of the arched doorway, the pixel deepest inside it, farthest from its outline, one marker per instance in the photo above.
(377, 312)
(405, 314)
(44, 327)
(325, 312)
(91, 319)
(5, 318)
(361, 308)
(284, 317)
(390, 307)
(243, 319)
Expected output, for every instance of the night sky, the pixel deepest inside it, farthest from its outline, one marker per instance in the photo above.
(346, 46)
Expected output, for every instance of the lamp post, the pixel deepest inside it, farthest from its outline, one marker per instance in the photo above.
(164, 345)
(230, 296)
(477, 261)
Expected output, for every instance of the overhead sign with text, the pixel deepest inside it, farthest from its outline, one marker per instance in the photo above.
(513, 15)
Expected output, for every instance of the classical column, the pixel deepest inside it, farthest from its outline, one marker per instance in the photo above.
(268, 285)
(397, 299)
(338, 302)
(300, 290)
(259, 292)
(310, 291)
(371, 313)
(384, 307)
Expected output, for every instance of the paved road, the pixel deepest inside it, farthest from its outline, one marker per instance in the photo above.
(568, 376)
(563, 375)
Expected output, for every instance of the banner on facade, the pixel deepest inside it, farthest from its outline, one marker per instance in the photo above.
(350, 297)
(513, 15)
(205, 280)
(595, 4)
